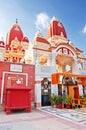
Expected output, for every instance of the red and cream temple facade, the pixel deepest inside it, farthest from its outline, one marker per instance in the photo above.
(42, 57)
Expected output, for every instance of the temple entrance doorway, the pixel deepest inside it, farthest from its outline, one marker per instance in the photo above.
(45, 92)
(67, 81)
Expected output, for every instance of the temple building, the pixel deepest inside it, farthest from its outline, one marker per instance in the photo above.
(51, 54)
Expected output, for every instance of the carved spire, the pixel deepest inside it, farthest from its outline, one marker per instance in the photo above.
(16, 20)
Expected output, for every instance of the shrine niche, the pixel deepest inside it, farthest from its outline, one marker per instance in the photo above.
(15, 43)
(43, 59)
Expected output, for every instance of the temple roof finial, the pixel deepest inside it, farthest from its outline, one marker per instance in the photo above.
(16, 20)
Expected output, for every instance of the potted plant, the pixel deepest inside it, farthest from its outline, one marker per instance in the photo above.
(84, 95)
(59, 101)
(67, 101)
(83, 99)
(53, 100)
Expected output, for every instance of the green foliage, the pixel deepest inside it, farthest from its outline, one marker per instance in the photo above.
(53, 99)
(67, 100)
(59, 99)
(83, 98)
(84, 95)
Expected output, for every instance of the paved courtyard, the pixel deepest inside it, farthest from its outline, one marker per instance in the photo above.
(46, 118)
(74, 115)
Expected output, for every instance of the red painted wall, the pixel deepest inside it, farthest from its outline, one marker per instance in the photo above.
(6, 72)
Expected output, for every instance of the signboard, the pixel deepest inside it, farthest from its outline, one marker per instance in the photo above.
(16, 68)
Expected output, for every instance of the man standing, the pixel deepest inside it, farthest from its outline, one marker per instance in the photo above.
(63, 96)
(63, 93)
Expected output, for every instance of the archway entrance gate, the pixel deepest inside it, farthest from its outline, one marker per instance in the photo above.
(45, 92)
(70, 81)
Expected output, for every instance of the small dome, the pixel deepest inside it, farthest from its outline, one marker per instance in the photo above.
(39, 38)
(38, 34)
(25, 39)
(2, 44)
(15, 31)
(56, 28)
(24, 43)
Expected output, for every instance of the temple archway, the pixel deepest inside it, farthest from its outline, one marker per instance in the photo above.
(45, 92)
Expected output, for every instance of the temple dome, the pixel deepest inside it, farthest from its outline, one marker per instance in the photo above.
(15, 32)
(56, 28)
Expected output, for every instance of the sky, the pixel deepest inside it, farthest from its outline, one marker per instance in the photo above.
(34, 15)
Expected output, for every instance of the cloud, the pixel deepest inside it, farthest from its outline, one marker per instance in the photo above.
(84, 29)
(42, 21)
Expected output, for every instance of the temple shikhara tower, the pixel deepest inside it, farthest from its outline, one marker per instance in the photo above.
(16, 44)
(52, 56)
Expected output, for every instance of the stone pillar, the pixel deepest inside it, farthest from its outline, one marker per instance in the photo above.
(54, 89)
(38, 94)
(74, 67)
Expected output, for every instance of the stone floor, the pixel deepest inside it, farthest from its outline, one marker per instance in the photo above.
(76, 115)
(46, 118)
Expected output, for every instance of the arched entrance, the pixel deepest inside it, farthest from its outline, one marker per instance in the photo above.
(45, 92)
(67, 81)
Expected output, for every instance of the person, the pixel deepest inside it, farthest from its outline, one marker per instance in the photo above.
(63, 93)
